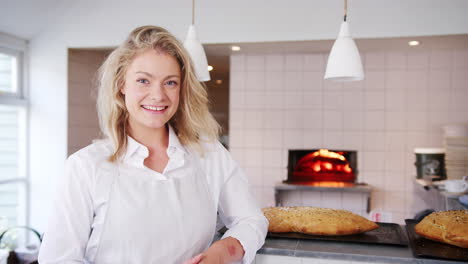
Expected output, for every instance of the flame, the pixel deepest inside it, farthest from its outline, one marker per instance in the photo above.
(334, 184)
(347, 168)
(324, 166)
(328, 154)
(316, 167)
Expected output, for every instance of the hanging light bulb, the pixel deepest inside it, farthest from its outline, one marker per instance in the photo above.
(344, 61)
(196, 51)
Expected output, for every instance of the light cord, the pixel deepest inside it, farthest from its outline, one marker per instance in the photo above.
(193, 12)
(345, 9)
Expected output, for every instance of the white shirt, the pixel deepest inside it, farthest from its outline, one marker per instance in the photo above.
(76, 225)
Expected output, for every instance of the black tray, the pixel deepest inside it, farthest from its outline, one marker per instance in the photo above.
(426, 248)
(386, 233)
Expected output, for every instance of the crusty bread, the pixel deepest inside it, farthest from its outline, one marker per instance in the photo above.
(316, 221)
(449, 227)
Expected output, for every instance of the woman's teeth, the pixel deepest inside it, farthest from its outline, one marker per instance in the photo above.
(154, 108)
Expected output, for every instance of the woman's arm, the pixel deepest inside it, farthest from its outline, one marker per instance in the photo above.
(241, 214)
(70, 222)
(230, 248)
(238, 210)
(227, 250)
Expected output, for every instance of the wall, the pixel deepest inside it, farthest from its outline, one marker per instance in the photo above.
(106, 23)
(48, 124)
(218, 93)
(83, 122)
(280, 102)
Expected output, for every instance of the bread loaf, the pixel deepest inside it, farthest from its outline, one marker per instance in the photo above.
(449, 227)
(316, 221)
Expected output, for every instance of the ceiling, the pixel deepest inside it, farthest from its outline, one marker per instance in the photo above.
(29, 18)
(315, 46)
(218, 54)
(16, 16)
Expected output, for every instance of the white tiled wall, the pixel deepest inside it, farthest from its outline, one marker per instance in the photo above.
(281, 101)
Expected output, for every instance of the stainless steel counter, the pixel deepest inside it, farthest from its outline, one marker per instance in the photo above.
(346, 252)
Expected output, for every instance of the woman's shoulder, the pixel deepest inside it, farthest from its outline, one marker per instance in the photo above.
(212, 148)
(216, 155)
(217, 163)
(90, 166)
(99, 150)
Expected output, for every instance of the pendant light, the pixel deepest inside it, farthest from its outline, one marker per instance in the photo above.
(344, 62)
(196, 51)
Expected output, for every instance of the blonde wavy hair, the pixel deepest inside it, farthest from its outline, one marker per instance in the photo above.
(192, 121)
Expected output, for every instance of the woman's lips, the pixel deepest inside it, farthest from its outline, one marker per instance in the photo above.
(154, 109)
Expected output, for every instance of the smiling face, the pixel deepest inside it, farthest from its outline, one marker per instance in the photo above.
(152, 87)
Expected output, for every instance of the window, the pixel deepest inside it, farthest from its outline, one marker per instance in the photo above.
(13, 178)
(11, 69)
(8, 73)
(14, 182)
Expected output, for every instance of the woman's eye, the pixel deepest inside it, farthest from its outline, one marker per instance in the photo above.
(143, 81)
(171, 83)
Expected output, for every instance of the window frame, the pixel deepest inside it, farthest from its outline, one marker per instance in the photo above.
(17, 47)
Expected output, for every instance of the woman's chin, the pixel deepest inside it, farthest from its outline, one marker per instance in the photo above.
(156, 126)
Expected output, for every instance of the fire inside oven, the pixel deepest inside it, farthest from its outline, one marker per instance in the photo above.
(322, 166)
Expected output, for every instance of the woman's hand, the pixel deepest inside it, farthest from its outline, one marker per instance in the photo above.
(213, 255)
(194, 260)
(221, 252)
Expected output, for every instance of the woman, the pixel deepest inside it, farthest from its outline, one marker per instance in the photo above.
(150, 191)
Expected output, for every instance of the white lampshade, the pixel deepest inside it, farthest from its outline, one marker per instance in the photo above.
(344, 62)
(197, 53)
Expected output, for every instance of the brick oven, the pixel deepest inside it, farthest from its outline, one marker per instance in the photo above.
(322, 167)
(323, 178)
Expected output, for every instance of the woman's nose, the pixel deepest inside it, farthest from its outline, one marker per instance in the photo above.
(157, 92)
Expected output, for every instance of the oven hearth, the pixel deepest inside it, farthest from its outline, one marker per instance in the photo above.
(323, 178)
(322, 167)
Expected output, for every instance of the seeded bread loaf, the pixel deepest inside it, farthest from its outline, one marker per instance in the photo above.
(449, 227)
(316, 221)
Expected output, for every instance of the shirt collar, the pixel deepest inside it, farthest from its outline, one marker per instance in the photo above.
(135, 148)
(174, 142)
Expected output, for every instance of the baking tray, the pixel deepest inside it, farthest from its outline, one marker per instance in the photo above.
(386, 233)
(426, 248)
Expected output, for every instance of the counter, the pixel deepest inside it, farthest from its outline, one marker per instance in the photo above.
(299, 251)
(437, 198)
(341, 251)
